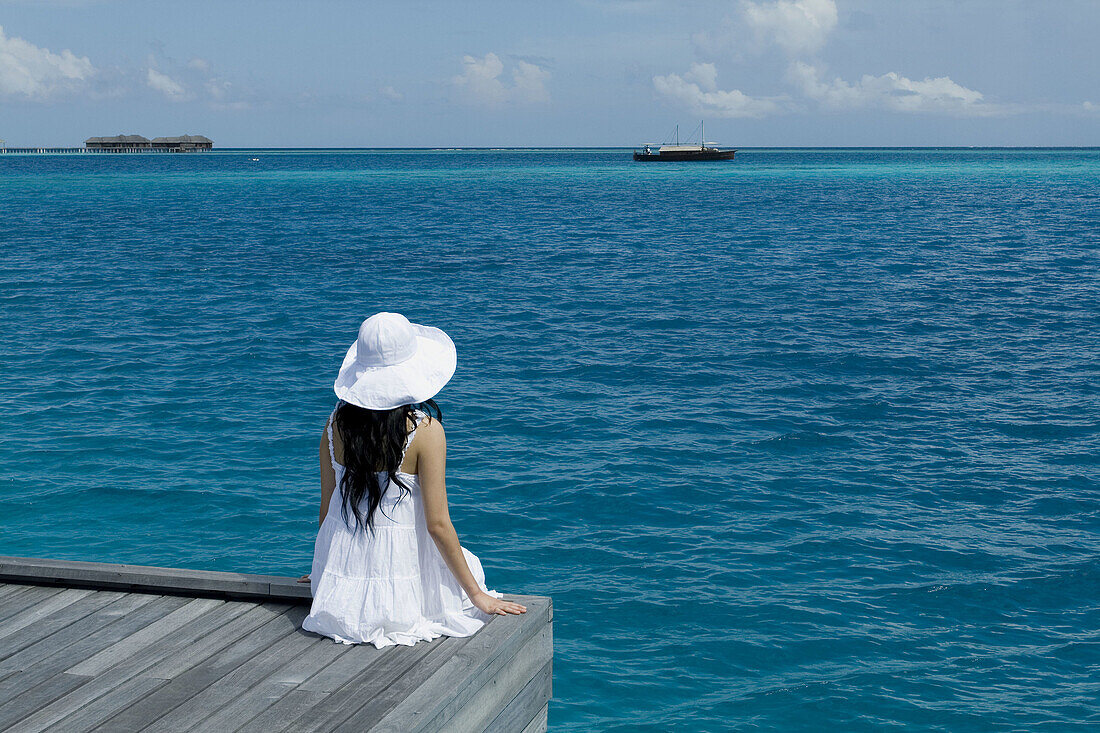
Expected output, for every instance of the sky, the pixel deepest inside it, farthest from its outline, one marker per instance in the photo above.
(769, 73)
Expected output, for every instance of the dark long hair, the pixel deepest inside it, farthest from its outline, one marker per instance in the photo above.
(374, 444)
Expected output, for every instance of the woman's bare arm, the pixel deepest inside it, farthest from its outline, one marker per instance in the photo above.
(328, 485)
(431, 462)
(328, 477)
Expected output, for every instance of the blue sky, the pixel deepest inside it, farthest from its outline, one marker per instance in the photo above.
(581, 72)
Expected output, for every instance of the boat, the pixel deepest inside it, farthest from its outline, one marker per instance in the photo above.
(678, 152)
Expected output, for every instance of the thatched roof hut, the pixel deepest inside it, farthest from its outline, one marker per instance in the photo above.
(184, 142)
(118, 141)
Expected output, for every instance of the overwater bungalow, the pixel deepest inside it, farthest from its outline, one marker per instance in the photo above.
(138, 144)
(118, 142)
(183, 143)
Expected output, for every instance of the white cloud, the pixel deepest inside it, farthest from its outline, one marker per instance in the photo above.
(218, 89)
(164, 84)
(801, 28)
(197, 81)
(530, 82)
(222, 95)
(29, 71)
(698, 91)
(798, 26)
(480, 80)
(704, 76)
(391, 94)
(893, 92)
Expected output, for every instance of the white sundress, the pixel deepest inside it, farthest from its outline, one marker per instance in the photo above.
(390, 586)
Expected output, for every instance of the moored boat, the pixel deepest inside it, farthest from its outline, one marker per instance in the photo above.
(677, 152)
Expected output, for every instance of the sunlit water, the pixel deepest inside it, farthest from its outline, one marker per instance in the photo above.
(806, 441)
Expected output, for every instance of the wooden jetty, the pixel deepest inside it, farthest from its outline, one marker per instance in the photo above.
(67, 151)
(42, 151)
(95, 646)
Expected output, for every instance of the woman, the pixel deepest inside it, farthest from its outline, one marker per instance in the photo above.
(387, 566)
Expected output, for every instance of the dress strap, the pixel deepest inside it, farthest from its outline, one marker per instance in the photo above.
(331, 450)
(417, 417)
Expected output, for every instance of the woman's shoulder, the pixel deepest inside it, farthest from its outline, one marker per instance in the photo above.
(425, 423)
(429, 432)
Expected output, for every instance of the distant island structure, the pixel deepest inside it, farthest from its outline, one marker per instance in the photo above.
(139, 144)
(124, 144)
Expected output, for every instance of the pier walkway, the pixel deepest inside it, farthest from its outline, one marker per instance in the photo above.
(67, 151)
(104, 647)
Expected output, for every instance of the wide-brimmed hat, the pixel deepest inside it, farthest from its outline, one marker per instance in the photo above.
(395, 363)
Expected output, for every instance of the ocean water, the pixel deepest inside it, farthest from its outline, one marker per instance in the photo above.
(806, 441)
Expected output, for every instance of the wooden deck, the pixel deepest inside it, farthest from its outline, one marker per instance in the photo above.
(95, 646)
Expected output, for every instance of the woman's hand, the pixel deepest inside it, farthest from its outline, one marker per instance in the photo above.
(496, 606)
(304, 578)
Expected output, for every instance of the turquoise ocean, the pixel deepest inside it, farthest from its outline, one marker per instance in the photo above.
(805, 441)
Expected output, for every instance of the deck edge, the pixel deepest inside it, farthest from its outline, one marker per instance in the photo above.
(169, 581)
(146, 578)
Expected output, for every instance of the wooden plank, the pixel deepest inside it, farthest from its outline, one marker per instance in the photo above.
(73, 643)
(535, 604)
(129, 628)
(188, 684)
(11, 590)
(380, 702)
(11, 593)
(495, 691)
(88, 698)
(215, 640)
(321, 655)
(521, 711)
(53, 654)
(25, 597)
(44, 607)
(243, 693)
(6, 589)
(145, 636)
(58, 637)
(59, 622)
(357, 659)
(486, 652)
(36, 696)
(292, 705)
(538, 724)
(345, 702)
(90, 716)
(185, 641)
(153, 579)
(245, 707)
(116, 683)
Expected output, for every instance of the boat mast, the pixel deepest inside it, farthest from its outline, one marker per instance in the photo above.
(702, 137)
(677, 134)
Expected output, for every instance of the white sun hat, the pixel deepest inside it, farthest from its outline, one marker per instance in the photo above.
(395, 363)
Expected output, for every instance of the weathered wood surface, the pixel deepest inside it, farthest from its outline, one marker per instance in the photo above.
(95, 646)
(146, 579)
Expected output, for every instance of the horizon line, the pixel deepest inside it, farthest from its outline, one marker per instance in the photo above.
(62, 149)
